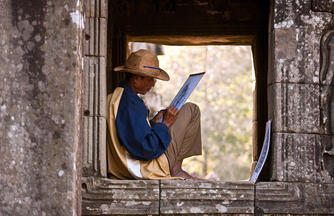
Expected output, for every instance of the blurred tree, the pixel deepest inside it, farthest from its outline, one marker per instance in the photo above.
(225, 98)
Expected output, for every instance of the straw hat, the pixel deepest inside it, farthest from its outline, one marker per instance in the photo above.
(144, 63)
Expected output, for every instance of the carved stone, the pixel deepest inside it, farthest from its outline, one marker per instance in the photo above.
(326, 79)
(285, 43)
(327, 98)
(96, 8)
(94, 146)
(40, 102)
(298, 158)
(294, 198)
(294, 108)
(119, 197)
(293, 60)
(94, 87)
(172, 197)
(205, 197)
(323, 6)
(295, 38)
(95, 37)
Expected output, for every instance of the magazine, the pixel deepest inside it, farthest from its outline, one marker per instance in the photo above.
(186, 90)
(264, 153)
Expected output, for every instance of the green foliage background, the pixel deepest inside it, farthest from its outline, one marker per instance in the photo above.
(224, 96)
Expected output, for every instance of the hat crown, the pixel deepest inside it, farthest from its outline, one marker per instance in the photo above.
(143, 60)
(144, 63)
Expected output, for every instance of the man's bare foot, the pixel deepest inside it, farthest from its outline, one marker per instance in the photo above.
(177, 171)
(183, 174)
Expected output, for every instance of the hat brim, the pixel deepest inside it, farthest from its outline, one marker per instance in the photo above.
(163, 75)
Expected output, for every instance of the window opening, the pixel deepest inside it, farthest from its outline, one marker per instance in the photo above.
(224, 96)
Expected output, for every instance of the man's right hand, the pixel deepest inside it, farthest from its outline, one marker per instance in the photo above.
(170, 116)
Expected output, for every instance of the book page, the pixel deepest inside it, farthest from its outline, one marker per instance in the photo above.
(186, 90)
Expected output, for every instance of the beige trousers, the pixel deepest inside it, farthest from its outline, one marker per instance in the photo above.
(185, 134)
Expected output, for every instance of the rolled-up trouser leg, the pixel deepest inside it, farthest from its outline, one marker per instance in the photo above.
(185, 134)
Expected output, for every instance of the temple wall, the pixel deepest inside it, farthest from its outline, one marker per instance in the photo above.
(41, 80)
(294, 91)
(52, 118)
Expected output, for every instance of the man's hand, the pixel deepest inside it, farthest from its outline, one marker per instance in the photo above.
(169, 116)
(158, 116)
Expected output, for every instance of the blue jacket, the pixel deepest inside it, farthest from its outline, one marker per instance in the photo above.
(142, 140)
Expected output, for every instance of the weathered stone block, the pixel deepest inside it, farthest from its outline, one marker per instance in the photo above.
(4, 8)
(327, 109)
(323, 6)
(294, 108)
(296, 61)
(294, 198)
(119, 197)
(94, 86)
(326, 81)
(205, 197)
(40, 105)
(285, 43)
(298, 158)
(103, 37)
(327, 58)
(94, 146)
(296, 41)
(95, 37)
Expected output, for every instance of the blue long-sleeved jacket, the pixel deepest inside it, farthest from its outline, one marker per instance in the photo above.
(141, 140)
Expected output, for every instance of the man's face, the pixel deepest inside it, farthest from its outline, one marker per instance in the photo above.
(144, 84)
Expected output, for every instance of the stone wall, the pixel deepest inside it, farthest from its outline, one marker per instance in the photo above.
(177, 197)
(52, 70)
(94, 88)
(295, 91)
(41, 81)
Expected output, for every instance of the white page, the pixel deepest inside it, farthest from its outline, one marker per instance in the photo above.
(264, 153)
(186, 90)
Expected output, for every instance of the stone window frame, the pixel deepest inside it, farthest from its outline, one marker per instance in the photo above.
(105, 196)
(98, 69)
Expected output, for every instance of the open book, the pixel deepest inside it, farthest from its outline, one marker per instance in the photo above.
(186, 90)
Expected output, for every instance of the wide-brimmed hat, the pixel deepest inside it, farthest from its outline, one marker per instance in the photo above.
(144, 63)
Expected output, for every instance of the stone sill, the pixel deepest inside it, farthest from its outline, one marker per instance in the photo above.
(101, 196)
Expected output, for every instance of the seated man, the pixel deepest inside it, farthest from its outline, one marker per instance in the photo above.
(142, 149)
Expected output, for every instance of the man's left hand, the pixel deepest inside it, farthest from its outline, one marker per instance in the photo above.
(158, 116)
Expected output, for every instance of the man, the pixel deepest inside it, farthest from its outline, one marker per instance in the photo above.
(143, 149)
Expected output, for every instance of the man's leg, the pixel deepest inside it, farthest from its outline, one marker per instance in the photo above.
(186, 139)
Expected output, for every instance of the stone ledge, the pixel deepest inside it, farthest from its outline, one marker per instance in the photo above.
(101, 196)
(294, 198)
(206, 197)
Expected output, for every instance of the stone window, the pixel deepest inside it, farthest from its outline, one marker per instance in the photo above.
(300, 163)
(107, 35)
(243, 23)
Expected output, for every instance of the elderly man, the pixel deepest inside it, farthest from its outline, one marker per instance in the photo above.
(142, 149)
